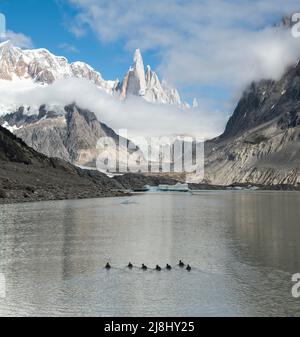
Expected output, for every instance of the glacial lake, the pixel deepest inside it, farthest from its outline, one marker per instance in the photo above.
(243, 246)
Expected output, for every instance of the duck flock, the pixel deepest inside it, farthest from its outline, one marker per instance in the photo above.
(157, 268)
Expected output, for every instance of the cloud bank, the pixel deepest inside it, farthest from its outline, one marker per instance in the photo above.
(136, 115)
(224, 43)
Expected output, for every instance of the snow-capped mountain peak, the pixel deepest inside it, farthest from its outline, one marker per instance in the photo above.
(137, 82)
(138, 59)
(42, 67)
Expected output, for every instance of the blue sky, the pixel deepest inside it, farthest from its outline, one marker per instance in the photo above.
(46, 22)
(208, 49)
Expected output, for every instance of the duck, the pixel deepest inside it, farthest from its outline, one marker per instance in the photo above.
(158, 268)
(181, 264)
(108, 266)
(130, 266)
(188, 268)
(168, 267)
(144, 267)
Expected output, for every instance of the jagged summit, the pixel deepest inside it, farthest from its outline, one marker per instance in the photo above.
(134, 82)
(42, 67)
(138, 59)
(139, 71)
(137, 82)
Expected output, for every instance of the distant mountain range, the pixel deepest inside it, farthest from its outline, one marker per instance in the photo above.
(43, 68)
(72, 132)
(260, 145)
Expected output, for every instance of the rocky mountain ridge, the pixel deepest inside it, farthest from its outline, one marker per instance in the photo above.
(44, 68)
(26, 175)
(261, 142)
(72, 134)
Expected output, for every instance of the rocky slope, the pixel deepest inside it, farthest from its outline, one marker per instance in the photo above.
(261, 143)
(26, 175)
(70, 133)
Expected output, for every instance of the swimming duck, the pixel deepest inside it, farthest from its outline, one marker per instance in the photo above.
(107, 266)
(168, 267)
(144, 267)
(130, 266)
(181, 264)
(188, 268)
(158, 268)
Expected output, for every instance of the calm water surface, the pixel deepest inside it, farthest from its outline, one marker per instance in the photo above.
(243, 246)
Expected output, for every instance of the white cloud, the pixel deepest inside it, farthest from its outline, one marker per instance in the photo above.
(68, 48)
(19, 39)
(136, 115)
(219, 43)
(225, 43)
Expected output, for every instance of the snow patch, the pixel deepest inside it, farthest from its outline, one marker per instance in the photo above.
(12, 129)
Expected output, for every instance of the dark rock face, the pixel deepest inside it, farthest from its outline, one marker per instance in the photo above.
(261, 142)
(13, 149)
(18, 118)
(26, 175)
(264, 101)
(289, 120)
(70, 134)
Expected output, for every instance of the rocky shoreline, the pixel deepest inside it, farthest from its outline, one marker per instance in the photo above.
(20, 182)
(34, 189)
